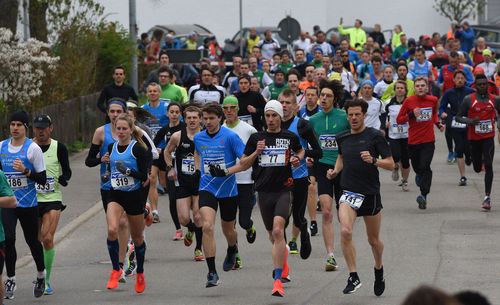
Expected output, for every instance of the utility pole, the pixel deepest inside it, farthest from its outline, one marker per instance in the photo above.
(26, 20)
(241, 28)
(133, 36)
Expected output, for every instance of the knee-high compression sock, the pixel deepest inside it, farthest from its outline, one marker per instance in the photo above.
(48, 256)
(113, 249)
(140, 253)
(199, 235)
(190, 226)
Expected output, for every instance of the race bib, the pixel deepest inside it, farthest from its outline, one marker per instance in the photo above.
(154, 129)
(188, 166)
(119, 181)
(273, 157)
(399, 128)
(48, 187)
(328, 142)
(247, 119)
(354, 200)
(17, 180)
(217, 162)
(455, 124)
(484, 126)
(425, 114)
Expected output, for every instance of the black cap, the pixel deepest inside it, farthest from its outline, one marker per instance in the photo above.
(42, 121)
(20, 116)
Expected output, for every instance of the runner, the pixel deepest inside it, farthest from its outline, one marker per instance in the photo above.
(420, 112)
(23, 164)
(217, 146)
(181, 170)
(398, 136)
(375, 106)
(278, 150)
(129, 162)
(302, 129)
(326, 125)
(246, 193)
(50, 195)
(311, 107)
(359, 149)
(7, 201)
(449, 107)
(479, 111)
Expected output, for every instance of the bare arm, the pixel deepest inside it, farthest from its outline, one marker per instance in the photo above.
(8, 202)
(167, 155)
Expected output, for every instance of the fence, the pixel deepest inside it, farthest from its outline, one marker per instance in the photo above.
(74, 120)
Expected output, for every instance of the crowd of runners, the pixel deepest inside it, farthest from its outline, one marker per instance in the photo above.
(289, 131)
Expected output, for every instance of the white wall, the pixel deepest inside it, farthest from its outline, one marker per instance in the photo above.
(222, 16)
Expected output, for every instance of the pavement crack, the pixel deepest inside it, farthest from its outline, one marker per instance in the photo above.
(438, 249)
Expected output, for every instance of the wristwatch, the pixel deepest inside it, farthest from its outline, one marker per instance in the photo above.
(374, 161)
(127, 172)
(26, 171)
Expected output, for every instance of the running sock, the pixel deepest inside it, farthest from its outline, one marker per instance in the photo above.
(232, 249)
(12, 278)
(277, 273)
(191, 227)
(211, 264)
(113, 249)
(48, 256)
(198, 232)
(40, 274)
(379, 273)
(140, 253)
(353, 275)
(121, 265)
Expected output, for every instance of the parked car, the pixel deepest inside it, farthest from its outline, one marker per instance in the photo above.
(491, 33)
(182, 32)
(231, 46)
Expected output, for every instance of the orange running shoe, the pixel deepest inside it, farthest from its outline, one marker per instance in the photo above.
(113, 279)
(140, 283)
(278, 289)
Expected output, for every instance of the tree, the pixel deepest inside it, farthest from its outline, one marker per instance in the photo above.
(459, 10)
(23, 66)
(8, 14)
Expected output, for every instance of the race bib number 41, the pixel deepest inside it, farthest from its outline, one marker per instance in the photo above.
(17, 180)
(273, 157)
(328, 142)
(354, 200)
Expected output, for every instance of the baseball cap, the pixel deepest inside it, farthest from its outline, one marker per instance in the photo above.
(274, 105)
(42, 121)
(487, 52)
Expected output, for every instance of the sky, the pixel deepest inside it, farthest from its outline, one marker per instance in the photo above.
(222, 16)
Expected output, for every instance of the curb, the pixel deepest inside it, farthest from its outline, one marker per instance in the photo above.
(65, 231)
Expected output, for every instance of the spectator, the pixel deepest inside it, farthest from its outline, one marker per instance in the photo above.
(252, 40)
(466, 36)
(377, 35)
(396, 36)
(171, 42)
(117, 89)
(192, 41)
(143, 43)
(357, 36)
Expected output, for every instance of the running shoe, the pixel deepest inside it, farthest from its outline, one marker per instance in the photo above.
(451, 157)
(38, 287)
(468, 160)
(113, 279)
(212, 279)
(278, 289)
(463, 181)
(178, 235)
(10, 287)
(417, 180)
(379, 284)
(353, 284)
(395, 174)
(422, 202)
(314, 228)
(132, 267)
(404, 186)
(198, 255)
(251, 235)
(48, 290)
(238, 264)
(188, 238)
(140, 282)
(229, 261)
(161, 189)
(400, 183)
(305, 243)
(331, 264)
(486, 203)
(122, 278)
(156, 217)
(293, 247)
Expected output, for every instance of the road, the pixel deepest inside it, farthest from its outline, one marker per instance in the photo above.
(452, 245)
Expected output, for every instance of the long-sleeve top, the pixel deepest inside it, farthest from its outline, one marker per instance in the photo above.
(421, 128)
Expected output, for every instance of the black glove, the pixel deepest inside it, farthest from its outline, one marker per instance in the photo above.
(122, 168)
(62, 181)
(216, 171)
(197, 174)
